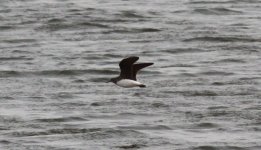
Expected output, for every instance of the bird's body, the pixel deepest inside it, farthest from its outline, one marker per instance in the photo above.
(127, 77)
(127, 83)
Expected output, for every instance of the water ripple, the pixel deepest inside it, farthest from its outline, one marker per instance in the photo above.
(216, 11)
(203, 91)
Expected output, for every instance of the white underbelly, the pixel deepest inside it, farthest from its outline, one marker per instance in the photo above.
(127, 83)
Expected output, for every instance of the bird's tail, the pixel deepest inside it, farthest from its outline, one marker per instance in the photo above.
(142, 86)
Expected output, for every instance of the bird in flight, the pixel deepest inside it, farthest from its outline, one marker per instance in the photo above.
(127, 77)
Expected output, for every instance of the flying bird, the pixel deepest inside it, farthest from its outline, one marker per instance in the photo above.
(129, 70)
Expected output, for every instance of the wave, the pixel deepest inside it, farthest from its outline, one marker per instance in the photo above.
(5, 142)
(207, 147)
(146, 127)
(216, 73)
(92, 24)
(102, 80)
(229, 60)
(234, 82)
(222, 39)
(206, 125)
(55, 131)
(194, 93)
(131, 14)
(14, 41)
(131, 146)
(131, 30)
(15, 58)
(57, 24)
(223, 2)
(187, 75)
(159, 105)
(216, 11)
(63, 119)
(4, 74)
(183, 50)
(7, 27)
(179, 65)
(55, 73)
(91, 133)
(7, 98)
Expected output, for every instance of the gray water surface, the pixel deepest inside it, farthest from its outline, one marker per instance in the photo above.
(203, 92)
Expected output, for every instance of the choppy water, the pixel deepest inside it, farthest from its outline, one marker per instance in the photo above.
(203, 92)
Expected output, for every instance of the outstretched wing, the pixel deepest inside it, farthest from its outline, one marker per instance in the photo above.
(126, 67)
(137, 67)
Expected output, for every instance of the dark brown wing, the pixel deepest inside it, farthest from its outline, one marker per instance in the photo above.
(126, 67)
(137, 67)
